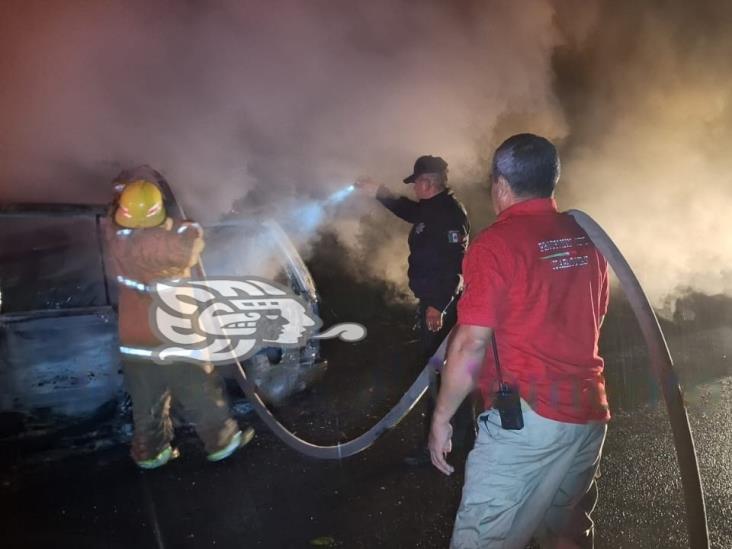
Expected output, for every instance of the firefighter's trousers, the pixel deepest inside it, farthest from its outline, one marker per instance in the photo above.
(196, 393)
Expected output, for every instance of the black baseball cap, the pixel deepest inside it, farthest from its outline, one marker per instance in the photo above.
(427, 164)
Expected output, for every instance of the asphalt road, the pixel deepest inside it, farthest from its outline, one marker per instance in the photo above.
(641, 503)
(269, 496)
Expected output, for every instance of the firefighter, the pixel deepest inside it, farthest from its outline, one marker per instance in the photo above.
(146, 246)
(125, 177)
(437, 243)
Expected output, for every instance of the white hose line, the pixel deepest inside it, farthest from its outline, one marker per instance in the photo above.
(661, 364)
(662, 367)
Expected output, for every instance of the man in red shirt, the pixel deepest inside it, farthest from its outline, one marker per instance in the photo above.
(534, 282)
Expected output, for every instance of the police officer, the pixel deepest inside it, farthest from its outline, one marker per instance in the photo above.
(437, 243)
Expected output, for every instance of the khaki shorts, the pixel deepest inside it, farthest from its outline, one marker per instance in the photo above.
(536, 482)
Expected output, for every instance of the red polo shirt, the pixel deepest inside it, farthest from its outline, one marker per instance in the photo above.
(536, 278)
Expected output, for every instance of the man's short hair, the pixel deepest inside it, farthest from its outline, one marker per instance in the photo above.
(529, 163)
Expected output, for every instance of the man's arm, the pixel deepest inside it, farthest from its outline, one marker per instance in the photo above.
(464, 359)
(400, 206)
(172, 248)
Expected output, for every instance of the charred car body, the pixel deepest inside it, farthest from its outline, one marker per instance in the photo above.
(59, 350)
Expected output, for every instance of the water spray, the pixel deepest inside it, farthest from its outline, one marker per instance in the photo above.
(307, 215)
(340, 195)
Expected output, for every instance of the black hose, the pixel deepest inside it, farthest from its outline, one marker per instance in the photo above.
(662, 366)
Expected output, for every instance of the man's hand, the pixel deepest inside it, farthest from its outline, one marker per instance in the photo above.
(440, 444)
(464, 359)
(367, 186)
(192, 231)
(433, 318)
(198, 245)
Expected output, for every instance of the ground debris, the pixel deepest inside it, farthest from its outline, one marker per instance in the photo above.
(323, 541)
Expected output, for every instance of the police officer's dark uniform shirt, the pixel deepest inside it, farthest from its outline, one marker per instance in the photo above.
(437, 243)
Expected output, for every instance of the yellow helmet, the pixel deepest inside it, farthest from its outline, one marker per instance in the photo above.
(140, 206)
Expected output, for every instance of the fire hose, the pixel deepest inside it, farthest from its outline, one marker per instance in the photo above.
(663, 370)
(339, 450)
(661, 365)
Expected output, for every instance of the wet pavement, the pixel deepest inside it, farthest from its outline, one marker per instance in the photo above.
(641, 502)
(270, 496)
(267, 495)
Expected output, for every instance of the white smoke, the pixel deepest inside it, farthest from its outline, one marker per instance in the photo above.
(291, 97)
(270, 104)
(649, 108)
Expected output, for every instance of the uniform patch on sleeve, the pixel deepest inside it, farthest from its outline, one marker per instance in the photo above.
(453, 237)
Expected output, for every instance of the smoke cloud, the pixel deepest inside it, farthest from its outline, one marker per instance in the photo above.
(647, 93)
(272, 106)
(287, 98)
(277, 105)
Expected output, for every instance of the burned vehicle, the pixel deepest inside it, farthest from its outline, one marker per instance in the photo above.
(59, 351)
